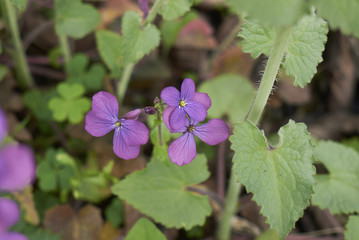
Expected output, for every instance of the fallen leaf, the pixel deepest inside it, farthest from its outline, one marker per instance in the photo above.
(26, 200)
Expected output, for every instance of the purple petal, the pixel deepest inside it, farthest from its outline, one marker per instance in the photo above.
(183, 149)
(178, 119)
(213, 132)
(3, 125)
(98, 126)
(133, 114)
(17, 167)
(203, 99)
(171, 96)
(144, 7)
(121, 148)
(9, 213)
(187, 89)
(196, 111)
(105, 105)
(166, 119)
(134, 132)
(13, 236)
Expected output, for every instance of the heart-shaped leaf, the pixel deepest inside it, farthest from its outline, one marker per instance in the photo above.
(280, 177)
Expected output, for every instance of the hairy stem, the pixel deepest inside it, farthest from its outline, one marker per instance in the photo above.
(123, 84)
(153, 12)
(24, 75)
(65, 48)
(254, 115)
(159, 128)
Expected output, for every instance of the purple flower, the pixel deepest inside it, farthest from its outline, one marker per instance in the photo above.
(185, 102)
(144, 7)
(17, 164)
(9, 215)
(183, 149)
(129, 133)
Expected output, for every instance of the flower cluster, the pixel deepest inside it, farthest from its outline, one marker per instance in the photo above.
(17, 170)
(184, 111)
(129, 135)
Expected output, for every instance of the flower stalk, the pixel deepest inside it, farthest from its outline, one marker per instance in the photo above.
(65, 48)
(24, 75)
(254, 115)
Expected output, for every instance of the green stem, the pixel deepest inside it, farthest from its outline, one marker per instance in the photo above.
(65, 48)
(254, 115)
(153, 12)
(24, 77)
(123, 84)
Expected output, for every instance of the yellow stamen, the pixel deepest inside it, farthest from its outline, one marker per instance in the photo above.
(182, 103)
(191, 128)
(118, 124)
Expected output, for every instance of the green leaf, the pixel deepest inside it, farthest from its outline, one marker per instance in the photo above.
(20, 4)
(91, 79)
(341, 14)
(272, 13)
(280, 177)
(43, 202)
(91, 188)
(70, 105)
(231, 94)
(352, 142)
(56, 171)
(338, 190)
(304, 50)
(159, 191)
(352, 228)
(136, 41)
(3, 71)
(144, 229)
(37, 101)
(172, 9)
(33, 232)
(268, 235)
(75, 19)
(115, 213)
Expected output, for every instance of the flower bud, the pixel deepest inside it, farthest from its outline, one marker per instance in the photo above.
(150, 110)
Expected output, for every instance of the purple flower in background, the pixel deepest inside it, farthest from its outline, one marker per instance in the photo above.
(144, 7)
(185, 102)
(17, 163)
(183, 149)
(129, 133)
(9, 215)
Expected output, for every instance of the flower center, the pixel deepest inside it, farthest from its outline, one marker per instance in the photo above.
(190, 128)
(118, 124)
(182, 103)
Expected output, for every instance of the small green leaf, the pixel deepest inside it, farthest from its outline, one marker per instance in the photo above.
(280, 177)
(20, 4)
(341, 14)
(172, 9)
(91, 188)
(70, 105)
(3, 72)
(37, 101)
(115, 213)
(136, 41)
(352, 228)
(75, 19)
(230, 94)
(272, 13)
(338, 190)
(159, 191)
(304, 50)
(144, 229)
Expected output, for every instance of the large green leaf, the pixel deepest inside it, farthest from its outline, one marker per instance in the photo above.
(273, 13)
(136, 41)
(280, 177)
(304, 49)
(352, 228)
(144, 229)
(341, 14)
(159, 191)
(20, 4)
(172, 9)
(75, 19)
(231, 94)
(338, 190)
